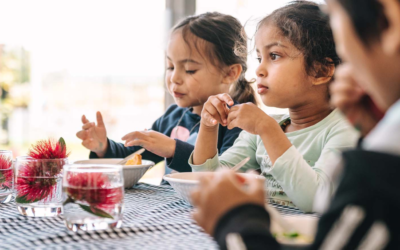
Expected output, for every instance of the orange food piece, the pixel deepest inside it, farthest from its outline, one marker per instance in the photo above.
(136, 160)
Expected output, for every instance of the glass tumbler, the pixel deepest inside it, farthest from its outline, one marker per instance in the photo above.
(38, 186)
(6, 176)
(94, 196)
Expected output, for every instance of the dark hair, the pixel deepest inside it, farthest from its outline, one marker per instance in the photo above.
(308, 29)
(367, 17)
(227, 41)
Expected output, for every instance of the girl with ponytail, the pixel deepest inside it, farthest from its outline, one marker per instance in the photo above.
(201, 62)
(296, 52)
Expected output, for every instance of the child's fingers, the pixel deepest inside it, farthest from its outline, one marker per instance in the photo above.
(134, 135)
(233, 124)
(136, 142)
(226, 98)
(197, 217)
(346, 89)
(81, 134)
(204, 182)
(220, 107)
(99, 118)
(88, 125)
(231, 118)
(256, 187)
(209, 118)
(212, 111)
(87, 143)
(195, 197)
(84, 119)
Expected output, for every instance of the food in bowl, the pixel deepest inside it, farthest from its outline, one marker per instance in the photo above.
(136, 160)
(132, 173)
(293, 230)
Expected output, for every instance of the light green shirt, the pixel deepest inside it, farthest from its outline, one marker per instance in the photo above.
(297, 174)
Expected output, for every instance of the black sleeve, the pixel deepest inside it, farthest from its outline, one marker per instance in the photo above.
(251, 222)
(118, 150)
(226, 138)
(370, 184)
(179, 161)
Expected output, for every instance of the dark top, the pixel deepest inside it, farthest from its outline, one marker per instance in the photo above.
(367, 199)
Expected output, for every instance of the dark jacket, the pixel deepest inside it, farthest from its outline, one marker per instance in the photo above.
(367, 199)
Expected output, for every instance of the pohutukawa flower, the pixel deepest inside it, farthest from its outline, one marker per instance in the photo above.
(6, 174)
(29, 187)
(49, 149)
(95, 190)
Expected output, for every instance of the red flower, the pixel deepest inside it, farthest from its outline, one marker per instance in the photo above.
(32, 189)
(29, 187)
(6, 173)
(49, 149)
(95, 190)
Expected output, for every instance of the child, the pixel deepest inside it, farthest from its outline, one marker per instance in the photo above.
(364, 211)
(297, 58)
(201, 62)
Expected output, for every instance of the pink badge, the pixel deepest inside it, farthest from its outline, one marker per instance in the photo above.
(180, 133)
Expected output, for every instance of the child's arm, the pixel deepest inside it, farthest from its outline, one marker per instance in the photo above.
(94, 138)
(299, 180)
(214, 111)
(183, 150)
(245, 146)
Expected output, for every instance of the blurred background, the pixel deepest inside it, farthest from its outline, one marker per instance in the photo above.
(62, 59)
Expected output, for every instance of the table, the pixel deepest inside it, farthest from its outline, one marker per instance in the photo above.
(154, 218)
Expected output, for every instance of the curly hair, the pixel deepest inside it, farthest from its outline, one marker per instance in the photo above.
(308, 29)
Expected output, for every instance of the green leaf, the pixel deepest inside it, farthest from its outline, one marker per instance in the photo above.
(62, 143)
(69, 200)
(1, 176)
(22, 199)
(96, 211)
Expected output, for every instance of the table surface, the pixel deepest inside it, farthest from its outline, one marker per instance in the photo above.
(154, 218)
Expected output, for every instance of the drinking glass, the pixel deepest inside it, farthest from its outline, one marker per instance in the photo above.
(94, 196)
(6, 176)
(38, 186)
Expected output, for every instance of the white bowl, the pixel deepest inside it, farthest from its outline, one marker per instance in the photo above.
(132, 173)
(185, 183)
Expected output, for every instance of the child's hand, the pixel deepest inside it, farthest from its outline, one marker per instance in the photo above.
(248, 117)
(152, 141)
(217, 195)
(348, 96)
(94, 137)
(215, 110)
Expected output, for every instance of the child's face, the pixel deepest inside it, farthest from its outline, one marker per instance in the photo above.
(190, 77)
(374, 70)
(282, 80)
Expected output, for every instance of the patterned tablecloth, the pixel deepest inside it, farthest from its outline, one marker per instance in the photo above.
(154, 218)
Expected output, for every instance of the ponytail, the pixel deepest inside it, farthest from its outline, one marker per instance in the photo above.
(242, 91)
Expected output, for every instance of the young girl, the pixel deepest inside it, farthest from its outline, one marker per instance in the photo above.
(200, 63)
(297, 58)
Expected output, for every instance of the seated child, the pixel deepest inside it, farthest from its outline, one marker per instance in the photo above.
(297, 56)
(201, 62)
